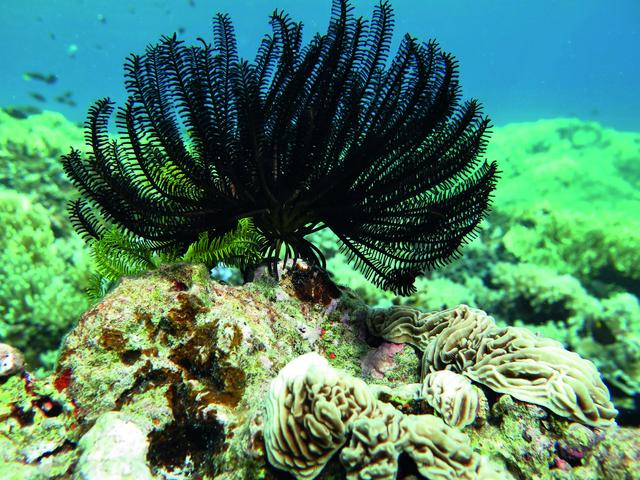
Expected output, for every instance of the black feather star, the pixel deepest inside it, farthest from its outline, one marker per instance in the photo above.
(331, 134)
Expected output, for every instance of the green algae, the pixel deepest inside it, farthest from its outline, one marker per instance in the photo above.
(38, 429)
(531, 443)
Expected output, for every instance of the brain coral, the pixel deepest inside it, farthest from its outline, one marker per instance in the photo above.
(508, 360)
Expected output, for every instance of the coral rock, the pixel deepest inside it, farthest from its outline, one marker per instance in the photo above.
(114, 449)
(192, 368)
(11, 360)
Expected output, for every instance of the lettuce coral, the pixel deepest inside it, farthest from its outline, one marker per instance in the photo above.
(507, 360)
(453, 396)
(313, 409)
(309, 409)
(604, 330)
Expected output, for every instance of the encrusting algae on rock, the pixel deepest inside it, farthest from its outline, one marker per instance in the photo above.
(199, 370)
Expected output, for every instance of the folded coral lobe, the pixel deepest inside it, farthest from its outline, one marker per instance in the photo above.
(334, 133)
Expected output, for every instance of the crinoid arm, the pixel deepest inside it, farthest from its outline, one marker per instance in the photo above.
(336, 132)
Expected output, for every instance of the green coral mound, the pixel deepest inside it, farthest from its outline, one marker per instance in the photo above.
(570, 198)
(40, 295)
(567, 164)
(41, 264)
(29, 160)
(596, 249)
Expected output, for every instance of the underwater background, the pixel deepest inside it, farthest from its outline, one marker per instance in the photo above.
(559, 253)
(524, 60)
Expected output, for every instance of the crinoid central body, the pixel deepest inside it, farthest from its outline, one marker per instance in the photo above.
(331, 134)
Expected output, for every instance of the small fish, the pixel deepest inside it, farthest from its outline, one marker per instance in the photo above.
(72, 50)
(48, 78)
(65, 99)
(181, 30)
(101, 18)
(192, 3)
(22, 112)
(37, 96)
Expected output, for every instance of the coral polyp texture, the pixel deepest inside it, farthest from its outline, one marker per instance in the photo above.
(332, 134)
(41, 288)
(507, 360)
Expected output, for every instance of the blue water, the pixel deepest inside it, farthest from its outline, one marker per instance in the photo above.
(524, 60)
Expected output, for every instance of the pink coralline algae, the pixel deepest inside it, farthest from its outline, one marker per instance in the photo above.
(380, 360)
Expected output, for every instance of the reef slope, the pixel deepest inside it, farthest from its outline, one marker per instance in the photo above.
(172, 375)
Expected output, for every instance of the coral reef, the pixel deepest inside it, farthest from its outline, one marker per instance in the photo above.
(560, 252)
(567, 164)
(507, 360)
(595, 249)
(188, 366)
(42, 266)
(29, 161)
(40, 293)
